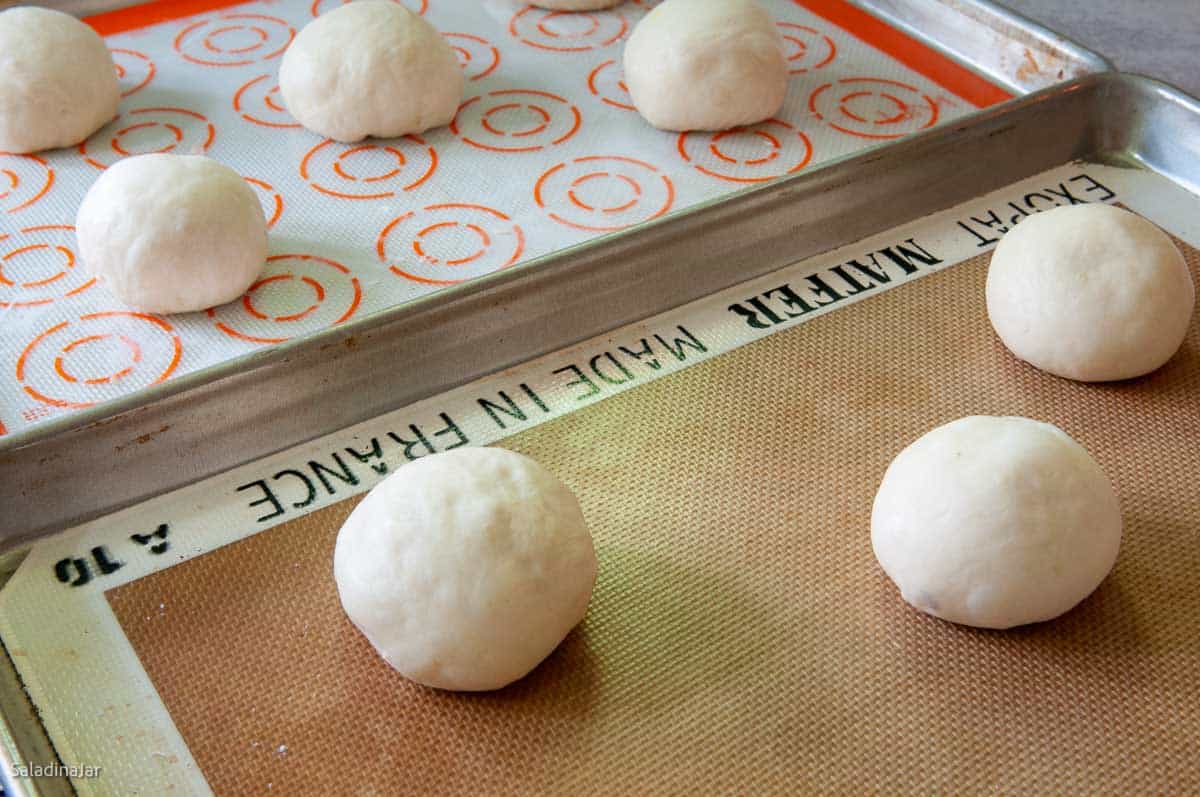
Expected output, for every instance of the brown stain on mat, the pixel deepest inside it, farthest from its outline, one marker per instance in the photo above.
(741, 637)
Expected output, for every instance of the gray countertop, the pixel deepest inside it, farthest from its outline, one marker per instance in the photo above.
(1159, 38)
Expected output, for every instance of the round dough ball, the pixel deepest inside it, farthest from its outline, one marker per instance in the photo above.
(575, 5)
(58, 83)
(370, 68)
(1090, 292)
(466, 569)
(172, 233)
(706, 65)
(995, 522)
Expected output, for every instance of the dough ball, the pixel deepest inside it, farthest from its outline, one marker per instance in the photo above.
(370, 68)
(575, 5)
(58, 83)
(706, 65)
(995, 522)
(172, 233)
(1090, 292)
(466, 569)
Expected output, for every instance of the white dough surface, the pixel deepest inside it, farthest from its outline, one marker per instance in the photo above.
(1090, 292)
(706, 65)
(370, 68)
(58, 84)
(995, 522)
(466, 569)
(172, 233)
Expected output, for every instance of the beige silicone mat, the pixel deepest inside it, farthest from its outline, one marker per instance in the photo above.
(741, 637)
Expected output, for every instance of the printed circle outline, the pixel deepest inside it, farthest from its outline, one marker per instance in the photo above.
(30, 348)
(267, 101)
(480, 118)
(539, 190)
(904, 111)
(276, 199)
(594, 78)
(466, 58)
(485, 239)
(71, 261)
(391, 148)
(122, 71)
(176, 131)
(134, 349)
(239, 53)
(777, 150)
(519, 20)
(247, 305)
(803, 47)
(10, 180)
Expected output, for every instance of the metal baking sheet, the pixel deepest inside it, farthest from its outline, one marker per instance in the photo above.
(726, 469)
(66, 351)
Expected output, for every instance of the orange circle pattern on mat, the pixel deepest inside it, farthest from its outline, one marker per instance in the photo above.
(751, 154)
(604, 193)
(146, 130)
(24, 179)
(134, 70)
(806, 48)
(38, 266)
(874, 108)
(546, 132)
(567, 31)
(82, 361)
(607, 82)
(477, 56)
(449, 243)
(516, 120)
(258, 101)
(319, 7)
(271, 199)
(295, 295)
(234, 40)
(369, 171)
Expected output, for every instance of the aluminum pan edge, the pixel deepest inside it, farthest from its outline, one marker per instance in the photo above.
(1010, 48)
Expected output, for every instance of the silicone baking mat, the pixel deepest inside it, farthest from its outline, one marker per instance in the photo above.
(546, 151)
(741, 638)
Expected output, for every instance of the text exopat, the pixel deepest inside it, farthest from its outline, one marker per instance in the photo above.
(990, 225)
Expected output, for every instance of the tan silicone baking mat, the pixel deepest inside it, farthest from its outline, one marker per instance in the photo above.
(741, 638)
